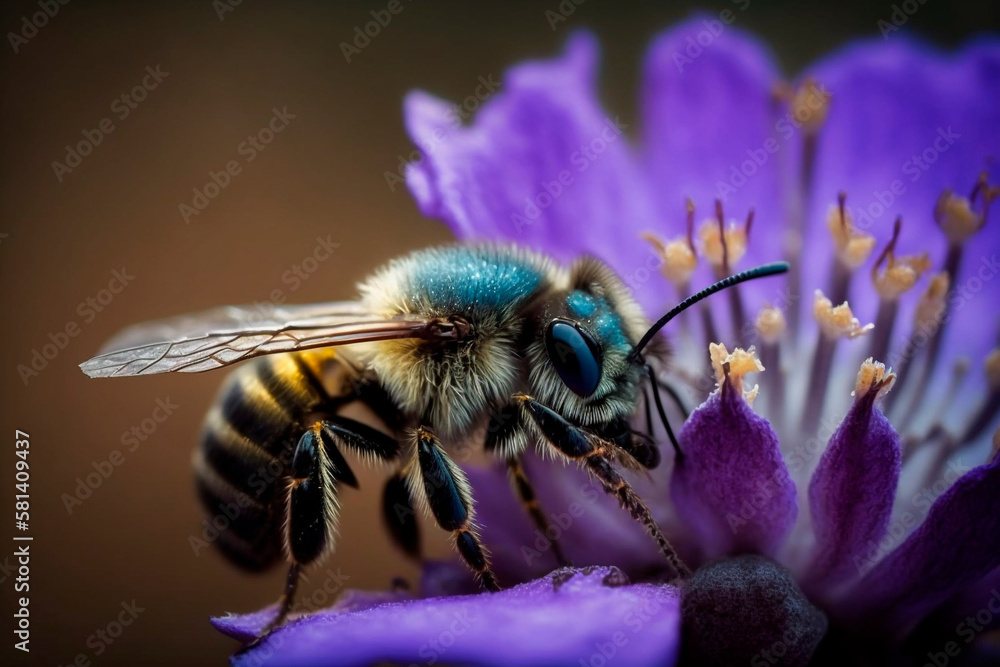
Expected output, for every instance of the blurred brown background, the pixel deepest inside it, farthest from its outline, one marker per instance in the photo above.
(323, 175)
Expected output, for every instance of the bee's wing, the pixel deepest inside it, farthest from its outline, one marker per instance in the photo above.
(223, 336)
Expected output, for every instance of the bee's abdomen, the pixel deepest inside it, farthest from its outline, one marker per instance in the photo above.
(242, 463)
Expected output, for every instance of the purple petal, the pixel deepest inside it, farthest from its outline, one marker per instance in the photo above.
(559, 620)
(246, 627)
(852, 491)
(732, 487)
(974, 610)
(895, 107)
(706, 111)
(957, 544)
(541, 165)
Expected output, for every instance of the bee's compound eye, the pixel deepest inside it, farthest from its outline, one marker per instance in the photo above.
(575, 355)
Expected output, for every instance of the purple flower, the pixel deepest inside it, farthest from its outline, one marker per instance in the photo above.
(806, 510)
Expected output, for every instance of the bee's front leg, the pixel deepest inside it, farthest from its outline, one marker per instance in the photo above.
(436, 478)
(596, 454)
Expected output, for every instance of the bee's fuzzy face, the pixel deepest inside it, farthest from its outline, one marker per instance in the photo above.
(599, 306)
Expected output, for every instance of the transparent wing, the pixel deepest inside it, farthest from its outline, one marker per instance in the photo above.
(223, 336)
(227, 319)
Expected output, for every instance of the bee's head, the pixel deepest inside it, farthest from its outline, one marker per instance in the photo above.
(580, 355)
(591, 346)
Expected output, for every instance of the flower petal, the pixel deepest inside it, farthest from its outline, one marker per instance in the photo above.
(731, 487)
(707, 110)
(851, 493)
(246, 627)
(903, 113)
(558, 620)
(957, 544)
(541, 165)
(974, 610)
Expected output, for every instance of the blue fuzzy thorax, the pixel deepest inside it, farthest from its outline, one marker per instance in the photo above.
(472, 280)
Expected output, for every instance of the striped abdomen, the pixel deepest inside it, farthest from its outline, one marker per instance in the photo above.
(242, 464)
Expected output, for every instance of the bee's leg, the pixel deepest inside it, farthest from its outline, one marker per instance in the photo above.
(311, 504)
(506, 437)
(399, 516)
(526, 493)
(616, 485)
(636, 445)
(449, 498)
(575, 444)
(311, 507)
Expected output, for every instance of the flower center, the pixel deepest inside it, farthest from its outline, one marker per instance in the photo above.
(796, 403)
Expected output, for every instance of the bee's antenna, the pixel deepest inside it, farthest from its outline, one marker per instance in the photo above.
(735, 279)
(663, 414)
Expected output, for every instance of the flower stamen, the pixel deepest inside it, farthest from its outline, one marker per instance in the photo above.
(679, 260)
(771, 327)
(956, 216)
(852, 247)
(901, 273)
(899, 276)
(835, 322)
(959, 372)
(733, 367)
(959, 222)
(724, 247)
(928, 316)
(988, 411)
(809, 105)
(873, 376)
(679, 256)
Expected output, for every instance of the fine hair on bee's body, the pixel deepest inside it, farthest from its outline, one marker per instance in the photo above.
(444, 344)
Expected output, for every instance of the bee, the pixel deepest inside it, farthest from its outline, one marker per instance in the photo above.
(489, 345)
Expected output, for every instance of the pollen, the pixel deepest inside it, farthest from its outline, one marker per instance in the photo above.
(771, 324)
(722, 248)
(853, 247)
(679, 260)
(955, 216)
(873, 376)
(993, 368)
(932, 304)
(734, 366)
(810, 104)
(837, 321)
(900, 275)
